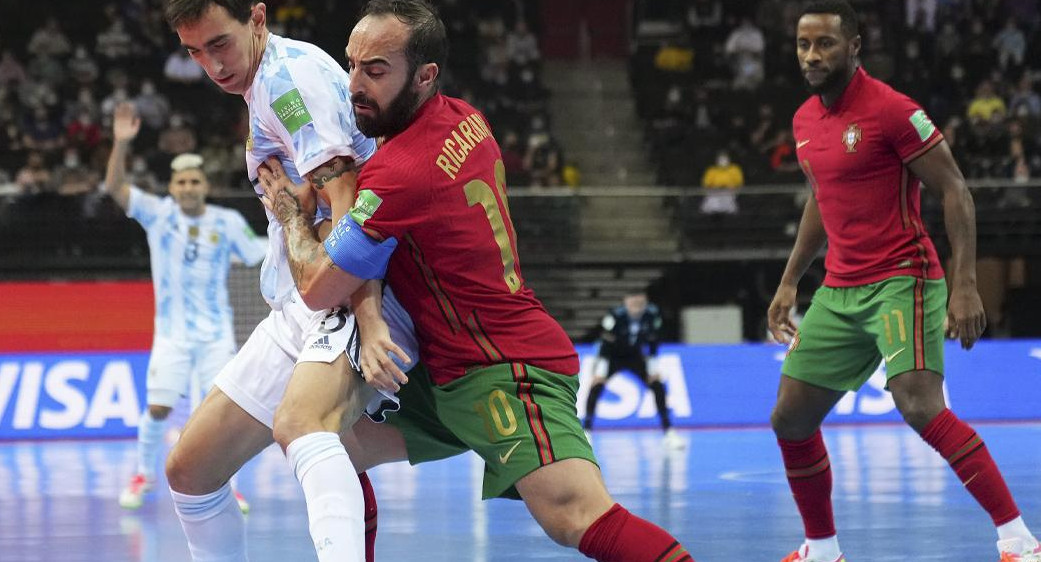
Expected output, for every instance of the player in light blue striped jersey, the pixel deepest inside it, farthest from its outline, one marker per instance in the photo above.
(191, 245)
(295, 380)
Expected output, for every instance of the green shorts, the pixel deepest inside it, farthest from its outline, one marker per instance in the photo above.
(848, 331)
(514, 416)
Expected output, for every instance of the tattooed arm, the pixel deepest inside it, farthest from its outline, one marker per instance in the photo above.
(337, 179)
(321, 283)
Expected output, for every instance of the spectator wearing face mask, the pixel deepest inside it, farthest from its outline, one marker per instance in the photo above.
(141, 175)
(544, 159)
(1025, 102)
(152, 106)
(82, 68)
(83, 133)
(1011, 45)
(723, 180)
(176, 139)
(72, 177)
(34, 177)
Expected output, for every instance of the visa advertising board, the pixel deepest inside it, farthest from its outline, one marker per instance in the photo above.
(101, 394)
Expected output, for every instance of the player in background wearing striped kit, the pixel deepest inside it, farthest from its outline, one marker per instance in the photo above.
(191, 244)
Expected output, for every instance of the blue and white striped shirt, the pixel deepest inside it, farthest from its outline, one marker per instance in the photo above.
(190, 260)
(300, 112)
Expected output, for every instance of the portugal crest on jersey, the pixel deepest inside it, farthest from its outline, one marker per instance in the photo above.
(851, 137)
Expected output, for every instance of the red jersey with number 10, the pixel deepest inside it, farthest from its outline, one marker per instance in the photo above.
(439, 188)
(855, 155)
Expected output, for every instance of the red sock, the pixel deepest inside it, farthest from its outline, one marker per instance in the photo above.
(809, 476)
(370, 517)
(620, 536)
(968, 456)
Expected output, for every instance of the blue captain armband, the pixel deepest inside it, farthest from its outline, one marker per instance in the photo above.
(356, 252)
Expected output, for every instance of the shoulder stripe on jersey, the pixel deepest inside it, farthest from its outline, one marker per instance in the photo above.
(433, 284)
(534, 414)
(936, 140)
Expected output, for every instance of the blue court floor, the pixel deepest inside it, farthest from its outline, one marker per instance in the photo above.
(724, 497)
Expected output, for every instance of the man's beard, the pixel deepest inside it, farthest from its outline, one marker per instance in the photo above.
(392, 120)
(832, 81)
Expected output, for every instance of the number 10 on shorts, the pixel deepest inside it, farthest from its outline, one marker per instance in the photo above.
(498, 417)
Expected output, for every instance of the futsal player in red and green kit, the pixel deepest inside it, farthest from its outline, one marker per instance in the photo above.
(432, 218)
(866, 149)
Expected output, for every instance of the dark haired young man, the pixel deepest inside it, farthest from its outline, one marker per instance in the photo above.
(294, 381)
(866, 149)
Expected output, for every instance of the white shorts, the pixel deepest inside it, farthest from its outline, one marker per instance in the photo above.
(173, 364)
(256, 379)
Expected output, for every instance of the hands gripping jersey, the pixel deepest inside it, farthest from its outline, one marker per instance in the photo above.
(855, 155)
(439, 189)
(300, 112)
(190, 259)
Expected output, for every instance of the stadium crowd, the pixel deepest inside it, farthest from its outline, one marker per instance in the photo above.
(714, 77)
(63, 72)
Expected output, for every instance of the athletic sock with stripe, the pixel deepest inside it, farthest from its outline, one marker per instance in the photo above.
(963, 449)
(620, 536)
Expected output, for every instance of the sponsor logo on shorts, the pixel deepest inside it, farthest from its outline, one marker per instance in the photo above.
(893, 355)
(322, 343)
(505, 457)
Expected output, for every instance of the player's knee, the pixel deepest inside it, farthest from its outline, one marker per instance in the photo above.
(159, 413)
(291, 424)
(287, 427)
(918, 413)
(562, 533)
(180, 472)
(570, 498)
(789, 426)
(566, 525)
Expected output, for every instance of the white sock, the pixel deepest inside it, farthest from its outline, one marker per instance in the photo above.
(1015, 529)
(335, 506)
(215, 527)
(149, 441)
(824, 549)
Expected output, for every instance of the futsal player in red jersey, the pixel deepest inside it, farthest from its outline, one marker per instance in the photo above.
(866, 149)
(431, 216)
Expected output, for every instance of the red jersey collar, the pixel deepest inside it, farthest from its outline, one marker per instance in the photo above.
(847, 96)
